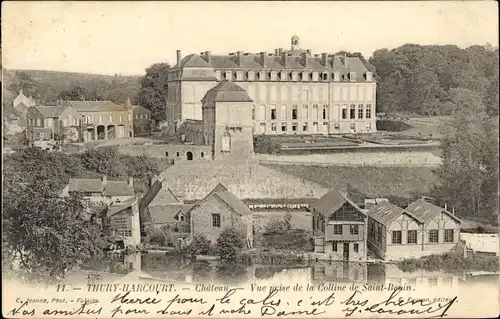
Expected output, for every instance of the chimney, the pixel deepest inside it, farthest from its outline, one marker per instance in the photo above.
(277, 52)
(104, 179)
(178, 58)
(304, 59)
(131, 181)
(308, 51)
(345, 59)
(324, 59)
(238, 57)
(20, 91)
(445, 206)
(284, 58)
(208, 55)
(263, 58)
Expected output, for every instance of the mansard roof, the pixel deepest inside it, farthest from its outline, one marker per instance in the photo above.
(226, 92)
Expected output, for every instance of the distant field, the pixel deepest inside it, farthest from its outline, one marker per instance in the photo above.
(402, 182)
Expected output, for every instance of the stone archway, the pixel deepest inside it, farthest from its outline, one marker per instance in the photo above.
(101, 132)
(189, 156)
(111, 132)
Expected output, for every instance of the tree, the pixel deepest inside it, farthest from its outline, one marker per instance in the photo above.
(154, 88)
(229, 243)
(44, 234)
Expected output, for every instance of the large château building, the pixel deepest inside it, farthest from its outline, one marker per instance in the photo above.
(293, 91)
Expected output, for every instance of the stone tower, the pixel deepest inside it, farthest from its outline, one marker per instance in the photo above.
(227, 122)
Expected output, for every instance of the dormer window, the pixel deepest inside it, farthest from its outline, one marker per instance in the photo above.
(295, 76)
(273, 75)
(305, 76)
(369, 76)
(352, 76)
(262, 76)
(228, 75)
(218, 75)
(315, 76)
(283, 76)
(336, 76)
(324, 76)
(239, 76)
(251, 75)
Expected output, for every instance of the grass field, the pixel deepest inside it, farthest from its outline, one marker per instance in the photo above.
(400, 182)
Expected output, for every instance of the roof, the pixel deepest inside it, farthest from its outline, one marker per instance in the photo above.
(108, 188)
(96, 106)
(426, 211)
(221, 193)
(246, 180)
(164, 196)
(118, 207)
(226, 92)
(162, 214)
(51, 111)
(333, 201)
(386, 212)
(294, 62)
(150, 194)
(140, 108)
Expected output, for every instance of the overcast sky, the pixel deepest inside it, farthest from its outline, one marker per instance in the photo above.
(126, 37)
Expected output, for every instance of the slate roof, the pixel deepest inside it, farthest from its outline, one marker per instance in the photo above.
(245, 179)
(294, 62)
(331, 202)
(222, 193)
(116, 208)
(51, 111)
(386, 212)
(426, 211)
(226, 92)
(96, 106)
(110, 188)
(162, 214)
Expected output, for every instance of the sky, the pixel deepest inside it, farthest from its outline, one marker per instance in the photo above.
(126, 37)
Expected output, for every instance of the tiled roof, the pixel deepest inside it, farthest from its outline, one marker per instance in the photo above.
(118, 188)
(164, 196)
(116, 208)
(232, 201)
(386, 212)
(95, 106)
(194, 60)
(226, 92)
(246, 180)
(110, 188)
(162, 214)
(85, 185)
(51, 111)
(329, 203)
(426, 211)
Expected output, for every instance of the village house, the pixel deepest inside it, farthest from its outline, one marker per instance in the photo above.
(420, 229)
(103, 120)
(101, 190)
(339, 226)
(219, 210)
(53, 122)
(121, 221)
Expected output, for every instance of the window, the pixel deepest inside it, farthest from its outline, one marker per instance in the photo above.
(283, 127)
(75, 121)
(294, 112)
(449, 235)
(137, 116)
(202, 155)
(325, 111)
(335, 246)
(177, 154)
(368, 113)
(273, 127)
(412, 237)
(146, 116)
(294, 127)
(32, 122)
(111, 118)
(38, 122)
(353, 112)
(368, 126)
(344, 112)
(100, 119)
(356, 248)
(352, 76)
(354, 230)
(352, 126)
(253, 113)
(433, 282)
(166, 153)
(360, 111)
(273, 112)
(337, 126)
(324, 76)
(141, 117)
(121, 118)
(315, 111)
(216, 220)
(304, 127)
(49, 122)
(182, 217)
(130, 117)
(337, 229)
(433, 236)
(396, 237)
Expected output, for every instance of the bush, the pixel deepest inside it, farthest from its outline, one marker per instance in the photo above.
(229, 243)
(451, 261)
(200, 245)
(293, 239)
(265, 145)
(276, 226)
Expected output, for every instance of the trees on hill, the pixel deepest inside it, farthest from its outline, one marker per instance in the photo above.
(154, 90)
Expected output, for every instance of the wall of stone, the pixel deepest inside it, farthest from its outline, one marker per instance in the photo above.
(176, 152)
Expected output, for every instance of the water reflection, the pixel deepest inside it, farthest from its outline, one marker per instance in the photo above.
(176, 269)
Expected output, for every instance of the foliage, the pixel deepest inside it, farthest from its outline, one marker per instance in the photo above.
(158, 236)
(392, 126)
(200, 245)
(292, 239)
(154, 89)
(265, 145)
(469, 174)
(420, 79)
(276, 226)
(229, 243)
(451, 261)
(48, 235)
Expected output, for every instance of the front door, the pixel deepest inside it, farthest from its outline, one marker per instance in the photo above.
(346, 252)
